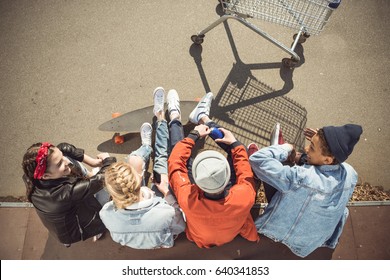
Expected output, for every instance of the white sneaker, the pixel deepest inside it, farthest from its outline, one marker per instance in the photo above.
(146, 134)
(158, 100)
(203, 108)
(173, 103)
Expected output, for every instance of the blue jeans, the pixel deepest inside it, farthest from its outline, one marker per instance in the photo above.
(144, 152)
(176, 133)
(160, 148)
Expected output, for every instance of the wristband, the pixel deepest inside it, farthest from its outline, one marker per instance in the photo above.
(195, 132)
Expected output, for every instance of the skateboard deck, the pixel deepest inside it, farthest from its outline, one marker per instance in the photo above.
(132, 121)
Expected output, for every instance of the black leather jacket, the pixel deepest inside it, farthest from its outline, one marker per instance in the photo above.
(66, 205)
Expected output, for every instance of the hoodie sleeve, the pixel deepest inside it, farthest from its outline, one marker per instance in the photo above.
(177, 166)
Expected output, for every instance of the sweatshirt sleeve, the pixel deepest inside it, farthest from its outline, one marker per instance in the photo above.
(242, 168)
(244, 190)
(177, 166)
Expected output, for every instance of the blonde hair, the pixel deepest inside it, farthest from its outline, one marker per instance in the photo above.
(123, 184)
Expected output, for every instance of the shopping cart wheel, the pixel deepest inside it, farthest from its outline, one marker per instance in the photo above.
(197, 39)
(288, 62)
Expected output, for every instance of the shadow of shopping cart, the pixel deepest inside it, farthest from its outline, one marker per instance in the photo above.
(307, 17)
(250, 108)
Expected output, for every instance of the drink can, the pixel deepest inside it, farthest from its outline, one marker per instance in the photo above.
(215, 133)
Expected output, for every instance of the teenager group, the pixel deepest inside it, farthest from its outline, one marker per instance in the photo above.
(208, 196)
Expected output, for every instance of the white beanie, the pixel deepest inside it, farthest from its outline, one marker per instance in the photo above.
(211, 171)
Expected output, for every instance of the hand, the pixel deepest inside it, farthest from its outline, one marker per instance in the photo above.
(102, 156)
(96, 162)
(309, 133)
(292, 156)
(203, 130)
(93, 162)
(297, 158)
(163, 185)
(228, 137)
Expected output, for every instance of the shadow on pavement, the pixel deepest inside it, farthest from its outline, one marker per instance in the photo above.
(249, 107)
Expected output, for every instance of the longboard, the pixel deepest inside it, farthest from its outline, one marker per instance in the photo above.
(132, 121)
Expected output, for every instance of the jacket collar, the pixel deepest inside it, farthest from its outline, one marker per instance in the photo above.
(328, 168)
(141, 204)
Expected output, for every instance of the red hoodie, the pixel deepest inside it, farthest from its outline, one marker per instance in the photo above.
(214, 222)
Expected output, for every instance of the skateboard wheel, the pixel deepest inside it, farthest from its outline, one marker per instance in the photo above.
(119, 139)
(115, 115)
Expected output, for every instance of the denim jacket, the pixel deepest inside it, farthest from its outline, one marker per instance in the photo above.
(149, 224)
(309, 209)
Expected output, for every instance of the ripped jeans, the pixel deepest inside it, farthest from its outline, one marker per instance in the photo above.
(160, 148)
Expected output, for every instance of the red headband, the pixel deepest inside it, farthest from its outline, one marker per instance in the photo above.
(41, 160)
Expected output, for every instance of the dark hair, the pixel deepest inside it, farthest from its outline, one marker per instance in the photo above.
(29, 165)
(324, 146)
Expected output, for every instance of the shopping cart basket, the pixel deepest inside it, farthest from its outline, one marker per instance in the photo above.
(307, 17)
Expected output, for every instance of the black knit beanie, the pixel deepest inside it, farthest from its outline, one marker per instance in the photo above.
(342, 139)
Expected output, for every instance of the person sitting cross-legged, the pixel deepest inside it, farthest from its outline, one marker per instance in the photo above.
(138, 216)
(215, 193)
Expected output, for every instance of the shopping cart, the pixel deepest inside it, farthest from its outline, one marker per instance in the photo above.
(308, 17)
